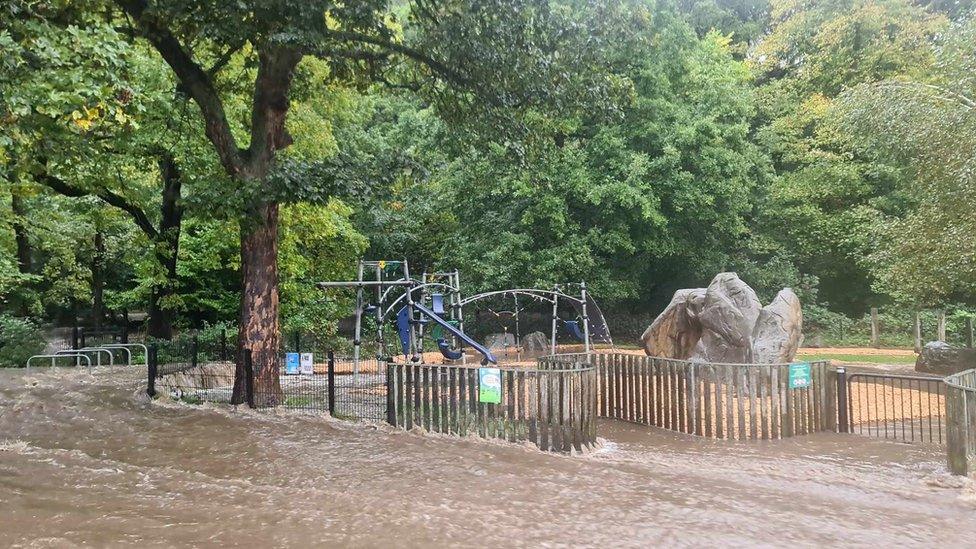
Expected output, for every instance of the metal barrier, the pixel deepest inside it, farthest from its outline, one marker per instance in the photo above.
(96, 350)
(127, 347)
(68, 354)
(906, 408)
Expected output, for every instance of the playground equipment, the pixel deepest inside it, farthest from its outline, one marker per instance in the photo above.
(433, 306)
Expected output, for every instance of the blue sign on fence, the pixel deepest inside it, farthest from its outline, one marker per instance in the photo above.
(800, 375)
(292, 363)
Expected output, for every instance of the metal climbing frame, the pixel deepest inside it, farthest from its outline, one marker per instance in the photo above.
(395, 293)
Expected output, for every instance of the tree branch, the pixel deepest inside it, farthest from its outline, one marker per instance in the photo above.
(193, 78)
(435, 65)
(141, 219)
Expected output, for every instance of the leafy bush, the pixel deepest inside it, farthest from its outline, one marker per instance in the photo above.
(19, 339)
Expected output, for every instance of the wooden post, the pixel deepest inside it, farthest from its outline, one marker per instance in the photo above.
(390, 392)
(223, 344)
(875, 331)
(942, 325)
(843, 420)
(969, 332)
(956, 432)
(248, 378)
(331, 383)
(918, 333)
(125, 325)
(153, 372)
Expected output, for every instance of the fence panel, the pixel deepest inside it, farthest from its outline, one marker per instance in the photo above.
(551, 406)
(906, 408)
(725, 401)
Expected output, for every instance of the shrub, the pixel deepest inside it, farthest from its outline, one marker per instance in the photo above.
(19, 339)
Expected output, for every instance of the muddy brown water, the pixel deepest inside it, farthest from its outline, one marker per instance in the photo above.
(86, 460)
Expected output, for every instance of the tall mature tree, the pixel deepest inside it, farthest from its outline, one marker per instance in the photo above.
(478, 56)
(829, 192)
(927, 124)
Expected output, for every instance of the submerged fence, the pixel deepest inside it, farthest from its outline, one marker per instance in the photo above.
(552, 405)
(724, 401)
(906, 408)
(961, 419)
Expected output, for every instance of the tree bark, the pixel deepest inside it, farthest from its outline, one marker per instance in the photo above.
(20, 233)
(160, 323)
(259, 323)
(98, 280)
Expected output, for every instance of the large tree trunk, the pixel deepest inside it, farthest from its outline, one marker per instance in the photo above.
(259, 326)
(160, 323)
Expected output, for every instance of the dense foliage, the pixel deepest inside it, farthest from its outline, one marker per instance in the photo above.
(640, 145)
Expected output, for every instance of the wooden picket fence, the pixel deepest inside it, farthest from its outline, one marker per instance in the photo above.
(723, 401)
(552, 406)
(960, 401)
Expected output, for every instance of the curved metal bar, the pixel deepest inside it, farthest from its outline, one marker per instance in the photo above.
(99, 350)
(393, 305)
(547, 295)
(76, 354)
(145, 351)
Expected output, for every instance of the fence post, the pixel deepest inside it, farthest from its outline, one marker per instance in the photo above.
(875, 331)
(248, 378)
(918, 333)
(223, 344)
(390, 396)
(956, 432)
(331, 381)
(843, 421)
(125, 325)
(969, 332)
(194, 347)
(152, 362)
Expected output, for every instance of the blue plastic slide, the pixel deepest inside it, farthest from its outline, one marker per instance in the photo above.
(403, 327)
(574, 328)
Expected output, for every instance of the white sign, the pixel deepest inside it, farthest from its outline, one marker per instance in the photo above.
(307, 364)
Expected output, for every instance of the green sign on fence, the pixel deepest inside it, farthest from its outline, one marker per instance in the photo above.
(489, 385)
(800, 375)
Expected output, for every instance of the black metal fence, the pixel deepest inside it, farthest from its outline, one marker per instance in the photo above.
(906, 408)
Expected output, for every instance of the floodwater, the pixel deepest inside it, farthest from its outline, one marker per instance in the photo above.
(85, 459)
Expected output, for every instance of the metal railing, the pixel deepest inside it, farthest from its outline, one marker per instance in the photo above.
(906, 408)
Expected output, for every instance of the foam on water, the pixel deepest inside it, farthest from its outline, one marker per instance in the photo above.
(87, 459)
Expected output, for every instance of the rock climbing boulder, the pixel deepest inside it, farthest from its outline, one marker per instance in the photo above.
(779, 330)
(727, 319)
(726, 322)
(676, 331)
(499, 342)
(536, 343)
(938, 357)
